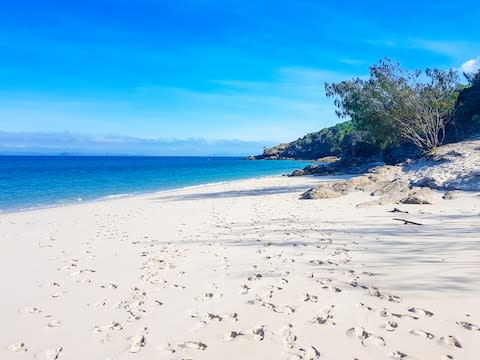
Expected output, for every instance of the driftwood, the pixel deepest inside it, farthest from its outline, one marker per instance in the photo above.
(407, 222)
(396, 210)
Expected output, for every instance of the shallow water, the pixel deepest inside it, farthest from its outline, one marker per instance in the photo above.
(39, 181)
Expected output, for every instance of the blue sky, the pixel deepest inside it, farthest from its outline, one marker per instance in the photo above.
(204, 71)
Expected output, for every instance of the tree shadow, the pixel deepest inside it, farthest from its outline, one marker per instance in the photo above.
(274, 190)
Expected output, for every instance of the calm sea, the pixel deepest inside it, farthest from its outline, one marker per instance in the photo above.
(39, 181)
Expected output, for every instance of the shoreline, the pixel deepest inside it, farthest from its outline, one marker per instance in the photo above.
(130, 195)
(64, 181)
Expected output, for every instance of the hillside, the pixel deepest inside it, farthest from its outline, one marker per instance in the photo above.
(332, 141)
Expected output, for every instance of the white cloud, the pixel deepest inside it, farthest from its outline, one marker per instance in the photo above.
(290, 103)
(471, 66)
(95, 144)
(442, 47)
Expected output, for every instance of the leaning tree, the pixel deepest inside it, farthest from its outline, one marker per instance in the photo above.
(395, 103)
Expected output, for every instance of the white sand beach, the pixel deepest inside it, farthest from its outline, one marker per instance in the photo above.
(242, 270)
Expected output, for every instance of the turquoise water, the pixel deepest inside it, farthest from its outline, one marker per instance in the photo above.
(39, 181)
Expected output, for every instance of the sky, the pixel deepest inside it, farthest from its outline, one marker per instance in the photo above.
(203, 76)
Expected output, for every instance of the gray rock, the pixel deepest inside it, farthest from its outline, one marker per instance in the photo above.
(422, 196)
(428, 181)
(298, 173)
(320, 192)
(450, 195)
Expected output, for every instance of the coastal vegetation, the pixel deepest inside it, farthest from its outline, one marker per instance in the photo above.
(466, 120)
(395, 104)
(393, 114)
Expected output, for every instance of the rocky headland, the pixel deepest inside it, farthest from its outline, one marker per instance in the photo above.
(435, 176)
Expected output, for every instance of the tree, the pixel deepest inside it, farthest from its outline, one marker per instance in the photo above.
(395, 104)
(467, 109)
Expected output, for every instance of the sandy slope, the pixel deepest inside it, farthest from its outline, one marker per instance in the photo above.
(452, 166)
(243, 270)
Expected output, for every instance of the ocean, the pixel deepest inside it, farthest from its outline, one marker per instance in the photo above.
(42, 181)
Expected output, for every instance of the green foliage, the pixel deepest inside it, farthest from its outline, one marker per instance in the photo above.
(394, 113)
(341, 139)
(359, 100)
(467, 109)
(395, 104)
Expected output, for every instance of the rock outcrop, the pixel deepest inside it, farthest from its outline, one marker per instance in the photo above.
(450, 167)
(384, 182)
(421, 196)
(341, 139)
(321, 193)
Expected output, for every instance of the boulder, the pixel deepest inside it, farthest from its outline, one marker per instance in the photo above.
(298, 173)
(422, 196)
(393, 189)
(450, 195)
(362, 183)
(310, 169)
(320, 192)
(429, 181)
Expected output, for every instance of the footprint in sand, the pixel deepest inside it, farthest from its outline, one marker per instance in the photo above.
(365, 337)
(30, 310)
(232, 335)
(420, 332)
(255, 277)
(109, 286)
(168, 348)
(87, 271)
(284, 309)
(58, 294)
(210, 317)
(311, 298)
(258, 332)
(289, 339)
(197, 345)
(53, 354)
(364, 306)
(244, 289)
(211, 295)
(232, 316)
(157, 302)
(420, 311)
(402, 316)
(115, 326)
(54, 323)
(325, 318)
(84, 281)
(468, 326)
(398, 355)
(139, 340)
(332, 288)
(310, 353)
(385, 313)
(391, 325)
(450, 340)
(358, 332)
(269, 294)
(373, 291)
(18, 347)
(207, 317)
